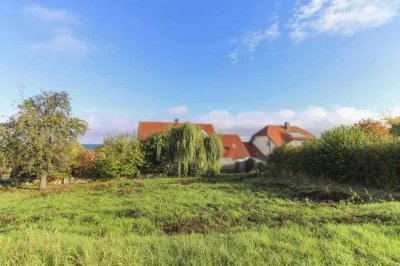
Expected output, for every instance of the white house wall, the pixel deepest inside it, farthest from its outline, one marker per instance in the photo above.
(261, 143)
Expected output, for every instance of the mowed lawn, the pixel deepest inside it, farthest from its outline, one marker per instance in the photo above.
(231, 220)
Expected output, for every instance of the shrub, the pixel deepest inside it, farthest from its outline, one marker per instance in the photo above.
(260, 167)
(373, 127)
(85, 164)
(394, 123)
(340, 150)
(250, 165)
(343, 154)
(119, 156)
(284, 160)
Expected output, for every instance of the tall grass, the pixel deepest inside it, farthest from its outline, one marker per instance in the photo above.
(197, 221)
(289, 245)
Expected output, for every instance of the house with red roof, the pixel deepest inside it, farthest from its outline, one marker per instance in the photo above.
(234, 149)
(235, 152)
(264, 141)
(146, 128)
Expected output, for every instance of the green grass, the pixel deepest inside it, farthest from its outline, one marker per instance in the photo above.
(198, 221)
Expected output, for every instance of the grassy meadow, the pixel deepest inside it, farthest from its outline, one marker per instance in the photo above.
(228, 220)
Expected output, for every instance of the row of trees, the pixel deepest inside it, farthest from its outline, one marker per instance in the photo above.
(367, 152)
(41, 139)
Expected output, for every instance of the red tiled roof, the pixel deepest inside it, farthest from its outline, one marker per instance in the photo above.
(146, 129)
(280, 135)
(233, 147)
(253, 150)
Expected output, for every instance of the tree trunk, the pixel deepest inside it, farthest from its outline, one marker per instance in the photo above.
(43, 182)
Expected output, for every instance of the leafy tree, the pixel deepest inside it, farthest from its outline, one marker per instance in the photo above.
(3, 163)
(182, 151)
(214, 153)
(119, 156)
(394, 123)
(373, 127)
(37, 139)
(72, 151)
(153, 148)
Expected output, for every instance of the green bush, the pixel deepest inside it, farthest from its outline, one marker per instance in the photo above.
(85, 165)
(119, 156)
(260, 167)
(250, 165)
(343, 154)
(285, 160)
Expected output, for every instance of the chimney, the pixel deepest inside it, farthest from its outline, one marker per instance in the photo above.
(176, 120)
(287, 125)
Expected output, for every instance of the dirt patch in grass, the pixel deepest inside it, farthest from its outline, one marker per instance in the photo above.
(324, 196)
(129, 213)
(88, 220)
(6, 219)
(34, 219)
(100, 187)
(127, 189)
(377, 218)
(187, 181)
(279, 185)
(196, 225)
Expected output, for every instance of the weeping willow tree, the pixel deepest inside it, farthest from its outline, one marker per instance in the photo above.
(183, 151)
(214, 153)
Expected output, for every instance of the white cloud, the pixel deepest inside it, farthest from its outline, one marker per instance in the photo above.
(178, 110)
(63, 40)
(341, 17)
(252, 40)
(234, 56)
(50, 14)
(255, 38)
(3, 118)
(315, 119)
(101, 126)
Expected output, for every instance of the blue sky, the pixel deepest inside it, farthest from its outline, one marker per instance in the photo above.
(237, 64)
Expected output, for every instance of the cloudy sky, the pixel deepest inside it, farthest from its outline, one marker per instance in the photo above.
(238, 64)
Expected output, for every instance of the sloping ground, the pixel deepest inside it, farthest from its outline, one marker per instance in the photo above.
(198, 221)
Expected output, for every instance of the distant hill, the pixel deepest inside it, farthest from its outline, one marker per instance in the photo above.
(90, 146)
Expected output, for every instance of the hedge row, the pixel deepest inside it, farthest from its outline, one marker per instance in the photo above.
(344, 154)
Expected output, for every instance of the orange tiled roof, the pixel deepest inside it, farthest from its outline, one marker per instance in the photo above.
(279, 135)
(253, 150)
(233, 147)
(146, 129)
